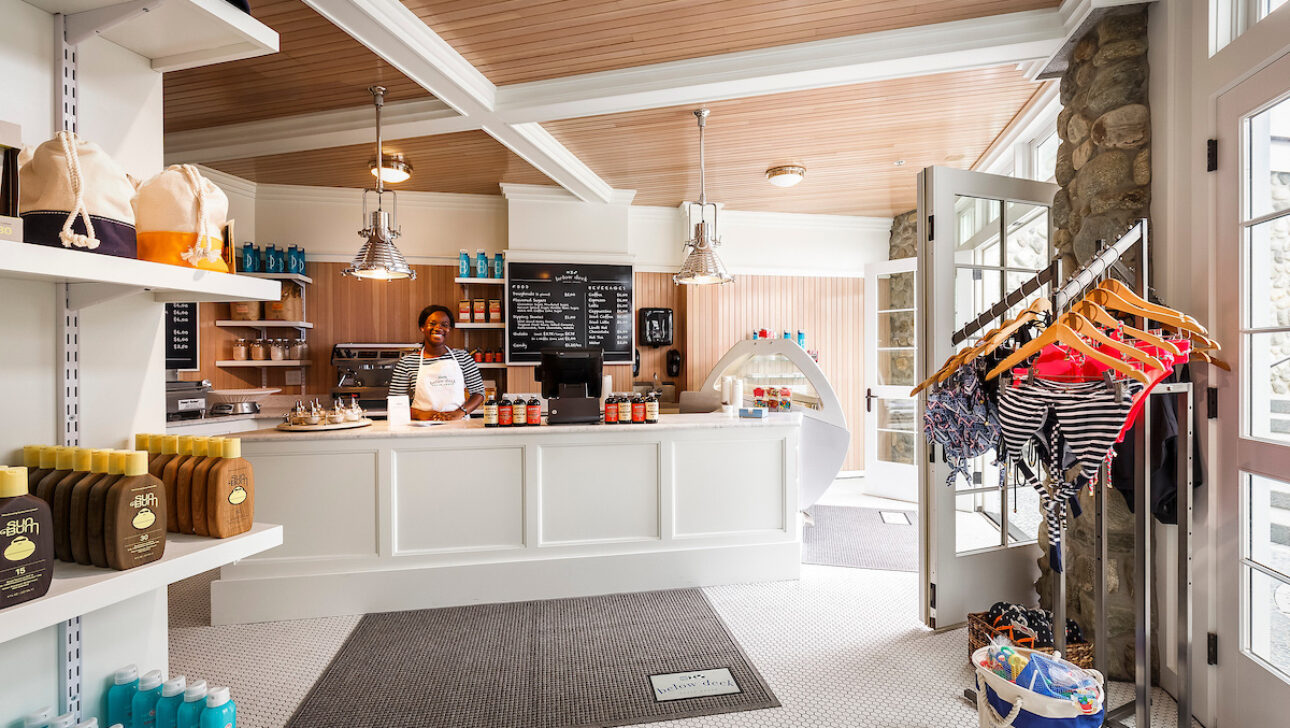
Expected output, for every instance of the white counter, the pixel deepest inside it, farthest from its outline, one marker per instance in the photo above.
(381, 518)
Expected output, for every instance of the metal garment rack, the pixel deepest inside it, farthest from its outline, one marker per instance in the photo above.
(1140, 707)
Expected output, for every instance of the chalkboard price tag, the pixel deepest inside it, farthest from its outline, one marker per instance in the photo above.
(568, 306)
(181, 337)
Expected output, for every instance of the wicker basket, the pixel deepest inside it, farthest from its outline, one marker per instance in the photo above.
(980, 633)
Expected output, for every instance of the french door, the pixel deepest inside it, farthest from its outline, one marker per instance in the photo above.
(982, 235)
(890, 362)
(1251, 523)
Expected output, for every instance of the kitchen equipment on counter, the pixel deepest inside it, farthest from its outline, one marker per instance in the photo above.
(237, 401)
(186, 400)
(287, 427)
(365, 370)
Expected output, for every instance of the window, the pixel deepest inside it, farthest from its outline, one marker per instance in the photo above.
(1045, 164)
(1265, 564)
(1230, 18)
(1267, 6)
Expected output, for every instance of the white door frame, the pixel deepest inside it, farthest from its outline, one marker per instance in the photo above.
(1249, 692)
(954, 584)
(883, 478)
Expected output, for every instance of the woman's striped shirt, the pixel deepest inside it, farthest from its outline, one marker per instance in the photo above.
(404, 379)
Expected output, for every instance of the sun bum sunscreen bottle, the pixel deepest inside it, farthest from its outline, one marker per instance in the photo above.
(169, 450)
(97, 512)
(190, 711)
(125, 683)
(63, 458)
(230, 493)
(79, 524)
(170, 478)
(46, 458)
(82, 461)
(143, 706)
(134, 520)
(26, 541)
(184, 484)
(38, 719)
(172, 696)
(220, 712)
(201, 482)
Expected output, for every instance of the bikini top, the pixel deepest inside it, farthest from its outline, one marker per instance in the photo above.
(961, 418)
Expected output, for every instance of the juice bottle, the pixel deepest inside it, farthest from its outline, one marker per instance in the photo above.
(201, 473)
(62, 503)
(170, 477)
(134, 521)
(230, 493)
(505, 412)
(78, 525)
(611, 409)
(184, 485)
(97, 509)
(651, 409)
(638, 409)
(26, 541)
(490, 412)
(624, 409)
(534, 414)
(519, 412)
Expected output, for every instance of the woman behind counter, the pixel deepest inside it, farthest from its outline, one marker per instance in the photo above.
(437, 378)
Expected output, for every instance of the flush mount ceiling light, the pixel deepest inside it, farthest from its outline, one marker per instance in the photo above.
(393, 168)
(701, 265)
(786, 175)
(379, 259)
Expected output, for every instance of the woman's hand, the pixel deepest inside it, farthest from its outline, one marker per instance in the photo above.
(456, 414)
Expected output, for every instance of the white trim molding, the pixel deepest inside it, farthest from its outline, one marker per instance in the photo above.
(551, 193)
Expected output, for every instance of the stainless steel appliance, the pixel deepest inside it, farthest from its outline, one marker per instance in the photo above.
(186, 400)
(365, 370)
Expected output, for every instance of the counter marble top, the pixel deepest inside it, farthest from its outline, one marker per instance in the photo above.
(215, 419)
(382, 429)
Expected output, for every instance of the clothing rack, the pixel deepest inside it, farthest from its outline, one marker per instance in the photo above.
(1140, 707)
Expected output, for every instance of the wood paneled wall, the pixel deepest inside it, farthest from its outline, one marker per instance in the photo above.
(829, 310)
(708, 320)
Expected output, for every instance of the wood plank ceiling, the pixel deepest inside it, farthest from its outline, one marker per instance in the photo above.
(318, 68)
(514, 41)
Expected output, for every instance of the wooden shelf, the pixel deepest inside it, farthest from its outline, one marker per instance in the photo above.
(484, 281)
(78, 589)
(250, 363)
(263, 324)
(95, 278)
(173, 34)
(281, 276)
(490, 365)
(483, 325)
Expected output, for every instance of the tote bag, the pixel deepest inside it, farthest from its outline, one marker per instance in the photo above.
(180, 216)
(72, 194)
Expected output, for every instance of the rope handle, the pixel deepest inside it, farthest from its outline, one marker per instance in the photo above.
(68, 236)
(201, 250)
(1016, 710)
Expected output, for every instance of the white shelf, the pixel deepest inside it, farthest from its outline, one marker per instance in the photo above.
(263, 324)
(176, 34)
(280, 276)
(96, 278)
(78, 589)
(485, 281)
(251, 363)
(483, 325)
(490, 365)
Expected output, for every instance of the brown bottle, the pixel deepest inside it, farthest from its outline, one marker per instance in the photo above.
(26, 541)
(184, 485)
(134, 523)
(142, 441)
(201, 474)
(98, 508)
(170, 479)
(61, 506)
(62, 466)
(169, 445)
(230, 493)
(39, 460)
(79, 524)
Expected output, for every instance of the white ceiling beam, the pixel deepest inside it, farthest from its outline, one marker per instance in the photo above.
(397, 35)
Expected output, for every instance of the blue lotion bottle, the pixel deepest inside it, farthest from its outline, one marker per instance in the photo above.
(143, 707)
(190, 711)
(172, 696)
(125, 683)
(220, 712)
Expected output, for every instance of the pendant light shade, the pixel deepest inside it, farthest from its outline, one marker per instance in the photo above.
(379, 259)
(702, 265)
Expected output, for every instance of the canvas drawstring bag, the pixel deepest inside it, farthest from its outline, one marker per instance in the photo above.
(71, 194)
(181, 216)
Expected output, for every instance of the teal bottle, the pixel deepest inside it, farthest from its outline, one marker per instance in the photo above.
(172, 696)
(120, 696)
(220, 712)
(190, 712)
(143, 706)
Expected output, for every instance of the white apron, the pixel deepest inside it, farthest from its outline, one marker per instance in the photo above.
(441, 386)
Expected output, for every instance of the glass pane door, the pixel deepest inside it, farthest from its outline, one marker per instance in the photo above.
(890, 430)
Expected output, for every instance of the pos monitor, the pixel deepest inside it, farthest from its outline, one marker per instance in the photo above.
(571, 384)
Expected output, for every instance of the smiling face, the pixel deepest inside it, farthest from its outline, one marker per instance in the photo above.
(436, 329)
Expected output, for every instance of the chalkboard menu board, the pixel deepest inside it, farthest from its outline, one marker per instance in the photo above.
(568, 306)
(181, 336)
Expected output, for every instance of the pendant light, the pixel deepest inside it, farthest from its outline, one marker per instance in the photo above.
(379, 259)
(701, 265)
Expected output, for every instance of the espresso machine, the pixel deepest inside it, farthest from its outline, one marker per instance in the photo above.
(365, 370)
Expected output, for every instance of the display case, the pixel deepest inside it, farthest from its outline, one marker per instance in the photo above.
(779, 363)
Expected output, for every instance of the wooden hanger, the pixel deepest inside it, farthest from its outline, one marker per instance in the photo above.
(988, 343)
(1061, 332)
(1114, 302)
(1128, 294)
(1088, 329)
(1099, 315)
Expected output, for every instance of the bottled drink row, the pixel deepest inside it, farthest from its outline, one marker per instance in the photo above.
(630, 409)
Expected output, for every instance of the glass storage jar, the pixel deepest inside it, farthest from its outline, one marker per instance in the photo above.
(241, 351)
(299, 350)
(278, 352)
(259, 350)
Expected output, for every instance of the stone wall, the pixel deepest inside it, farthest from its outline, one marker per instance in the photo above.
(1104, 171)
(904, 236)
